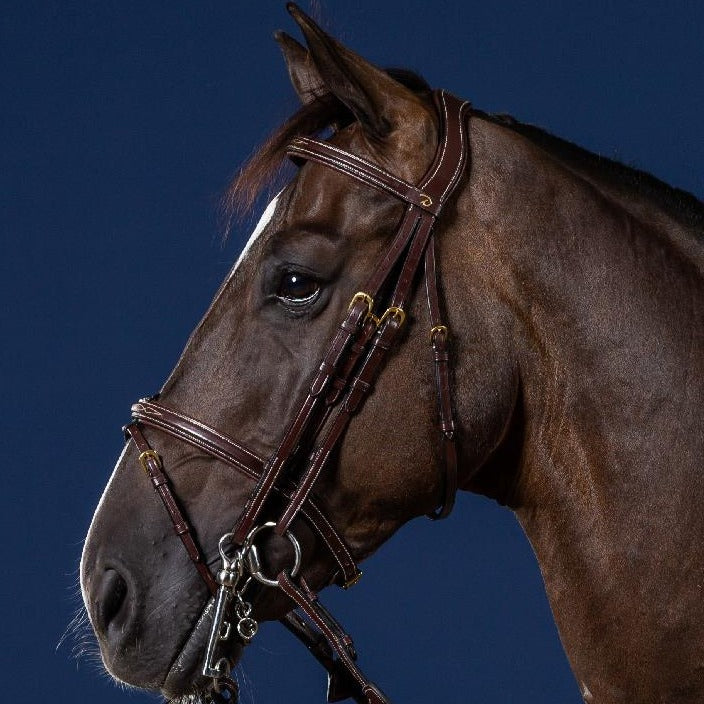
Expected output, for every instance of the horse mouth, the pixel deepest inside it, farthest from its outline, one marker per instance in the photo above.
(184, 678)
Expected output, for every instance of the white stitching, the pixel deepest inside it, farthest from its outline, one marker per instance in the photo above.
(205, 445)
(349, 155)
(359, 173)
(295, 502)
(229, 441)
(461, 160)
(291, 589)
(333, 551)
(338, 538)
(444, 146)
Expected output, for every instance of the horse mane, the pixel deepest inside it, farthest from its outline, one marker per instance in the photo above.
(326, 112)
(675, 202)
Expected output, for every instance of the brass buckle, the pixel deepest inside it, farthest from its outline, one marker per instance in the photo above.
(425, 200)
(393, 310)
(436, 330)
(361, 296)
(351, 582)
(147, 455)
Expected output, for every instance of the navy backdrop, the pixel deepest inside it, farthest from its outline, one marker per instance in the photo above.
(121, 123)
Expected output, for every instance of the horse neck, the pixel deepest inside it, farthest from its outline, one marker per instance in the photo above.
(607, 318)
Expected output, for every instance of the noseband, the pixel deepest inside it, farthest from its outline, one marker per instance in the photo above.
(344, 379)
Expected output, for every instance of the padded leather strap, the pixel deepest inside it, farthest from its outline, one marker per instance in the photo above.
(366, 691)
(198, 434)
(214, 443)
(362, 170)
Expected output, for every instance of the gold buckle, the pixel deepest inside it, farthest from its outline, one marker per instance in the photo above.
(393, 310)
(436, 330)
(425, 200)
(353, 581)
(361, 296)
(147, 455)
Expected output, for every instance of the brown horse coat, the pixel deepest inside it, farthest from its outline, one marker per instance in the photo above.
(576, 302)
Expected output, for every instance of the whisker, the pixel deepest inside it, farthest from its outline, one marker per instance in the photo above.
(247, 684)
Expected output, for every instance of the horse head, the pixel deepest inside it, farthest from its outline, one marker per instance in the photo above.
(572, 290)
(250, 361)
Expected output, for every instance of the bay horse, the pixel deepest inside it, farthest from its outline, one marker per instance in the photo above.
(566, 338)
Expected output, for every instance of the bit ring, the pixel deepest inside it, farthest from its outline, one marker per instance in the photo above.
(249, 549)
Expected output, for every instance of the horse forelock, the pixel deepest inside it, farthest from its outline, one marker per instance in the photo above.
(265, 167)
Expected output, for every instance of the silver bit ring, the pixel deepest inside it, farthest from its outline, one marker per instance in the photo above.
(248, 548)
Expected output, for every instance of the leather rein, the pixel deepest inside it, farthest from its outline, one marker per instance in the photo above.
(344, 379)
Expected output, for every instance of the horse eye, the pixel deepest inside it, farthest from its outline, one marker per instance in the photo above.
(297, 289)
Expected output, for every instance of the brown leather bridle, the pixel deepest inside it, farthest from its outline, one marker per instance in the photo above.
(345, 377)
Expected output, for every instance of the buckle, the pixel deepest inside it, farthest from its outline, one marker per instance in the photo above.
(436, 330)
(399, 313)
(362, 296)
(353, 580)
(144, 458)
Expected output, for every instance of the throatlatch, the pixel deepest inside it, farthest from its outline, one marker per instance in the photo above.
(344, 379)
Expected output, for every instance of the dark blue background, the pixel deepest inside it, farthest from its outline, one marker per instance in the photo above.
(121, 123)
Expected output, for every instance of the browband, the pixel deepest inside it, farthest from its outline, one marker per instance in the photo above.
(364, 171)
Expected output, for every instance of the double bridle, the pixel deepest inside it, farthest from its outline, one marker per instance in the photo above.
(345, 377)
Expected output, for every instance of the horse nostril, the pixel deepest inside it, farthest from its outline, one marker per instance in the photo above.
(111, 595)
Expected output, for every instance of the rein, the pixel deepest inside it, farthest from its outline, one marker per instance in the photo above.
(344, 379)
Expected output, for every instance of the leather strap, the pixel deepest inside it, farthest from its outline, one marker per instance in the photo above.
(151, 464)
(338, 355)
(343, 339)
(439, 335)
(360, 387)
(199, 435)
(366, 691)
(441, 179)
(360, 169)
(339, 685)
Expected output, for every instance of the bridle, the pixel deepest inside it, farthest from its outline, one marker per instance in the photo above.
(344, 379)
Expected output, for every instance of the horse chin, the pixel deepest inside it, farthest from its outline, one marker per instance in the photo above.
(184, 682)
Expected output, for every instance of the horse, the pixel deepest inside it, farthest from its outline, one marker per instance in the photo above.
(564, 381)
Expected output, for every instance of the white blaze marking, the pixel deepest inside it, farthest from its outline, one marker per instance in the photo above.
(264, 220)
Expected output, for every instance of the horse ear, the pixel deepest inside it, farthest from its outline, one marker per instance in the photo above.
(378, 101)
(304, 74)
